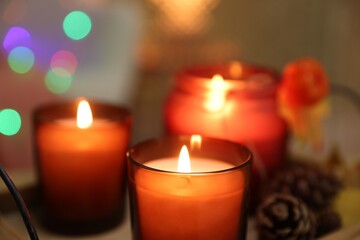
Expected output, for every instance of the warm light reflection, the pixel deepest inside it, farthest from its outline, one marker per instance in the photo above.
(185, 17)
(235, 70)
(84, 117)
(195, 142)
(216, 96)
(184, 161)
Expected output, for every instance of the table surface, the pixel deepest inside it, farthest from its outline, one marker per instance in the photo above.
(13, 228)
(13, 220)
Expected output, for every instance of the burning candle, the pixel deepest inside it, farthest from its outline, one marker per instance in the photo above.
(235, 102)
(201, 195)
(81, 161)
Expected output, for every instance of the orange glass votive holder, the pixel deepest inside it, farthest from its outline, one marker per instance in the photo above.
(209, 202)
(82, 172)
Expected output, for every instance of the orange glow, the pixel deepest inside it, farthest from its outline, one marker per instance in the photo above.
(236, 70)
(195, 141)
(217, 95)
(185, 17)
(184, 165)
(84, 117)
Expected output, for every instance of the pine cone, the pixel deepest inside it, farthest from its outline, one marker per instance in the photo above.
(327, 222)
(312, 185)
(282, 216)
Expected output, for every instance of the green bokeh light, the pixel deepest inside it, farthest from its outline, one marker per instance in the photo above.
(10, 122)
(58, 81)
(77, 25)
(21, 59)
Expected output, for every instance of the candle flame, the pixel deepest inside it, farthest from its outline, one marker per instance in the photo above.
(195, 141)
(217, 82)
(184, 161)
(217, 94)
(84, 117)
(236, 70)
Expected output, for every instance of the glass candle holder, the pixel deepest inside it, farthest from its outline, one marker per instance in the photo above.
(82, 172)
(232, 101)
(204, 203)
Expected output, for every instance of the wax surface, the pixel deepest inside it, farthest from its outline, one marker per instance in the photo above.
(197, 164)
(98, 123)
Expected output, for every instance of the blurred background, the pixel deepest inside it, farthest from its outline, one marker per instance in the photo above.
(125, 52)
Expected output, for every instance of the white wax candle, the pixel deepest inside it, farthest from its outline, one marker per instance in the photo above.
(197, 164)
(98, 122)
(181, 206)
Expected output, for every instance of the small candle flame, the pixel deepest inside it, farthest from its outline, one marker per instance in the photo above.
(195, 141)
(217, 94)
(236, 70)
(184, 165)
(84, 117)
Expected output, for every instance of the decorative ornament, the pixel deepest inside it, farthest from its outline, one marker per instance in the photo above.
(311, 184)
(327, 222)
(282, 216)
(302, 99)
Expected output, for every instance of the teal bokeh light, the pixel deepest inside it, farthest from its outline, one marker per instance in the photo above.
(21, 59)
(77, 25)
(58, 80)
(10, 122)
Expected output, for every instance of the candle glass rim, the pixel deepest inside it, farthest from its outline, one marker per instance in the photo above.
(246, 162)
(199, 75)
(55, 110)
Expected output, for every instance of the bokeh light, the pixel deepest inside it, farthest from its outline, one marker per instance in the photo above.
(15, 37)
(58, 80)
(77, 25)
(10, 122)
(63, 60)
(21, 59)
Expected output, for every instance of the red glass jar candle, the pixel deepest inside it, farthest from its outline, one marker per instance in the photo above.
(238, 104)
